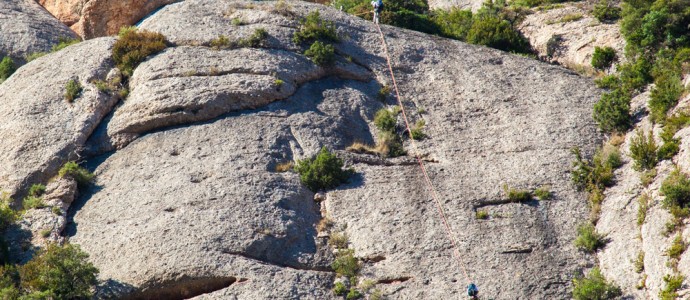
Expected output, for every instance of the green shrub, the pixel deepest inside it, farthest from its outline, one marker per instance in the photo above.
(376, 295)
(73, 90)
(314, 28)
(45, 233)
(677, 247)
(635, 75)
(321, 54)
(56, 211)
(673, 284)
(385, 120)
(676, 191)
(609, 155)
(548, 4)
(8, 282)
(498, 33)
(339, 289)
(596, 174)
(647, 177)
(133, 47)
(664, 96)
(7, 214)
(413, 14)
(7, 68)
(673, 124)
(675, 223)
(612, 112)
(588, 239)
(570, 18)
(222, 42)
(515, 195)
(417, 132)
(353, 294)
(606, 11)
(603, 57)
(390, 144)
(81, 175)
(256, 39)
(35, 55)
(124, 30)
(64, 271)
(102, 86)
(651, 25)
(237, 22)
(383, 93)
(668, 150)
(608, 82)
(345, 264)
(454, 23)
(595, 287)
(643, 151)
(339, 240)
(542, 193)
(33, 202)
(64, 43)
(37, 190)
(481, 215)
(643, 207)
(323, 172)
(639, 262)
(671, 145)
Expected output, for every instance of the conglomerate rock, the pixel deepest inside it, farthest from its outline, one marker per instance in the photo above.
(188, 198)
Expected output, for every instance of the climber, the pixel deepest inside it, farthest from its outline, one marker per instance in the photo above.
(378, 7)
(472, 291)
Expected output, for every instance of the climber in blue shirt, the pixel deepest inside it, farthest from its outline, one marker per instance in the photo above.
(472, 291)
(378, 7)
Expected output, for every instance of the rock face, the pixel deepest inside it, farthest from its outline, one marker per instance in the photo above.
(189, 200)
(43, 130)
(570, 43)
(98, 18)
(27, 28)
(629, 235)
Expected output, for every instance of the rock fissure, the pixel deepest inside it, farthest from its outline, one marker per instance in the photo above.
(266, 262)
(502, 202)
(183, 289)
(394, 280)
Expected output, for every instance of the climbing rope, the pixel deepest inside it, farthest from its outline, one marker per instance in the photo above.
(427, 179)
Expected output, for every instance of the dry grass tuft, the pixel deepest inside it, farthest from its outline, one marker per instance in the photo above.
(285, 167)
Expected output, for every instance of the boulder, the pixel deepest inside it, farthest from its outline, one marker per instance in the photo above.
(98, 18)
(27, 28)
(42, 130)
(568, 35)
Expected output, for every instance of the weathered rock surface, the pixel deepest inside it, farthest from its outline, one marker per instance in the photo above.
(44, 225)
(191, 84)
(27, 28)
(189, 202)
(572, 42)
(627, 239)
(98, 18)
(42, 130)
